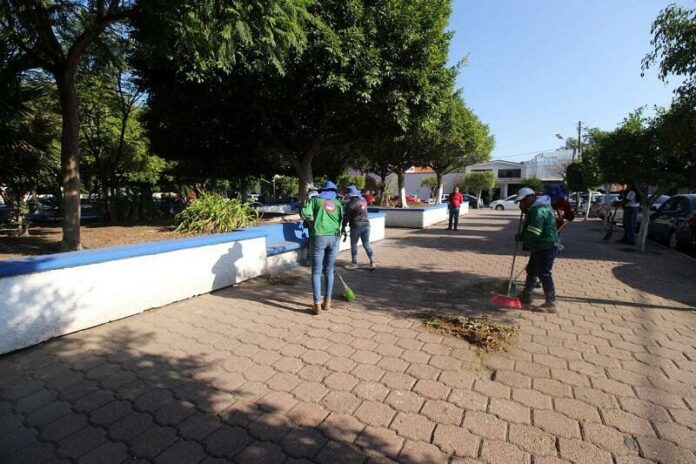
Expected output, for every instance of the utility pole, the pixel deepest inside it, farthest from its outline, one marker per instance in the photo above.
(579, 142)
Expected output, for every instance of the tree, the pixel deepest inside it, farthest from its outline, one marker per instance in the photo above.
(456, 140)
(477, 182)
(26, 141)
(54, 36)
(534, 183)
(432, 184)
(674, 42)
(641, 152)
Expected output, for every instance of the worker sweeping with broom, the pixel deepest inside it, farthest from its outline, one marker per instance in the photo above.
(325, 214)
(539, 236)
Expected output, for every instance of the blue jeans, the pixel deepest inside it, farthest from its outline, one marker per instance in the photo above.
(540, 265)
(630, 219)
(360, 233)
(453, 218)
(324, 251)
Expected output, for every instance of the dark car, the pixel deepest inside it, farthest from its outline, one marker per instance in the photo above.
(675, 222)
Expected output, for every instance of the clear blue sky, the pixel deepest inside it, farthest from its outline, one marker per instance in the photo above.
(536, 67)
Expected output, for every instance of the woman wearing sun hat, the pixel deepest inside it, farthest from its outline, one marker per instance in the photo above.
(356, 216)
(325, 213)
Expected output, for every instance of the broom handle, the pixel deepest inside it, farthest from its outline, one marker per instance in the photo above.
(514, 254)
(341, 279)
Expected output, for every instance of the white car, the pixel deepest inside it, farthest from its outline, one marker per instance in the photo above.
(507, 203)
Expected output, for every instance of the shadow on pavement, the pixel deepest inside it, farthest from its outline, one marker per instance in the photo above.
(170, 394)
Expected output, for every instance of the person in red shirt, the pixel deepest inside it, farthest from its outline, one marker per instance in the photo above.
(455, 201)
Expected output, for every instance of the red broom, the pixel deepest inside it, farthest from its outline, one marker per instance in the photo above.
(508, 301)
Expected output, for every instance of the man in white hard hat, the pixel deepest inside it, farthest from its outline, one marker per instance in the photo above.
(540, 238)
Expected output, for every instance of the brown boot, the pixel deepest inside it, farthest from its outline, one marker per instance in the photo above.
(326, 305)
(315, 309)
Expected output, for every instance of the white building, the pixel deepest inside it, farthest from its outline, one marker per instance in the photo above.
(548, 166)
(508, 175)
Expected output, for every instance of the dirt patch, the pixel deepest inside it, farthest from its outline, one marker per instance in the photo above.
(482, 288)
(283, 279)
(479, 331)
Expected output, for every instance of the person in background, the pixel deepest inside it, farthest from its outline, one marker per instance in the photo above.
(356, 216)
(455, 201)
(631, 204)
(559, 203)
(325, 213)
(540, 238)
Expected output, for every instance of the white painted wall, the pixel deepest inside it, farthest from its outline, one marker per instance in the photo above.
(419, 218)
(413, 183)
(41, 305)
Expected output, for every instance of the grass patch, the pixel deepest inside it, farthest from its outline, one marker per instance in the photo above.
(479, 331)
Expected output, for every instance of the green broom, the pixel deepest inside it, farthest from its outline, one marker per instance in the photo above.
(347, 292)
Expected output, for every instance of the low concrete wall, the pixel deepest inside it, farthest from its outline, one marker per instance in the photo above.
(47, 296)
(417, 218)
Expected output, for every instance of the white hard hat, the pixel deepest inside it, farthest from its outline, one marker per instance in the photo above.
(523, 193)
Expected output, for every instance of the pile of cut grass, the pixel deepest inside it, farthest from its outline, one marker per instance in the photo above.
(479, 331)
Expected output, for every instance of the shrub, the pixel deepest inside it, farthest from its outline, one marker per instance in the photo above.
(215, 214)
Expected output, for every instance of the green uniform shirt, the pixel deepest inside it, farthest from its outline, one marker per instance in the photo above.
(326, 216)
(539, 229)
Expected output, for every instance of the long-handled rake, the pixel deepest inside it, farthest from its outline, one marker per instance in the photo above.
(507, 300)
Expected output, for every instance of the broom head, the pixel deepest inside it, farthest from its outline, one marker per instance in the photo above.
(348, 294)
(506, 301)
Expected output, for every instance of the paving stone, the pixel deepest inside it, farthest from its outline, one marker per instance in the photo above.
(303, 442)
(198, 427)
(283, 382)
(270, 427)
(130, 426)
(37, 400)
(510, 411)
(174, 412)
(485, 425)
(374, 414)
(442, 412)
(227, 441)
(81, 442)
(415, 356)
(340, 381)
(341, 427)
(340, 452)
(107, 453)
(627, 423)
(110, 413)
(307, 414)
(460, 379)
(659, 450)
(553, 388)
(341, 402)
(431, 389)
(492, 389)
(681, 436)
(371, 391)
(495, 452)
(404, 401)
(314, 373)
(531, 398)
(610, 439)
(153, 441)
(367, 372)
(382, 439)
(577, 410)
(417, 452)
(557, 424)
(423, 371)
(413, 426)
(181, 452)
(580, 452)
(468, 400)
(532, 439)
(452, 439)
(49, 413)
(398, 381)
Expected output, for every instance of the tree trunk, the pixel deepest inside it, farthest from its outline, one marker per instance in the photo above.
(401, 179)
(589, 203)
(478, 199)
(643, 232)
(70, 159)
(108, 200)
(303, 169)
(440, 188)
(22, 226)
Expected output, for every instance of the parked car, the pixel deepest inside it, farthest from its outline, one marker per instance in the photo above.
(600, 207)
(507, 203)
(369, 198)
(675, 222)
(618, 219)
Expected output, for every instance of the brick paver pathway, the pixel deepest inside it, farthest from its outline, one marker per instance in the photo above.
(246, 375)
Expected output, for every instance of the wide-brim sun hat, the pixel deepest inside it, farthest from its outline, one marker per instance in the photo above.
(329, 186)
(523, 193)
(353, 191)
